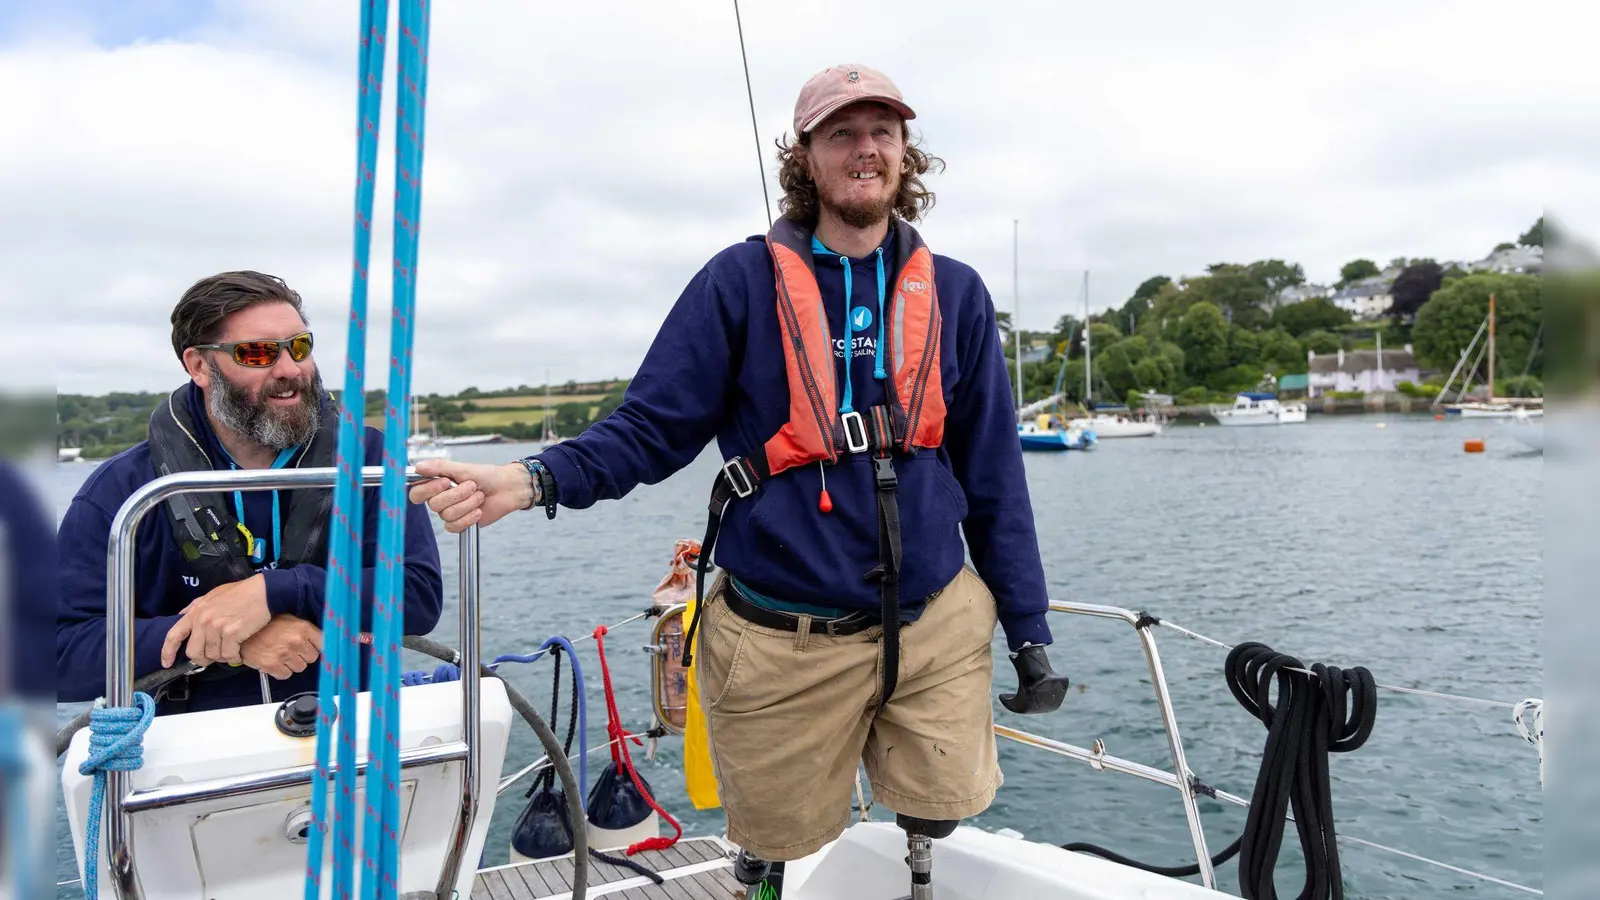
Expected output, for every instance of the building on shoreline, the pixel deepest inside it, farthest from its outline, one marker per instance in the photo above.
(1368, 371)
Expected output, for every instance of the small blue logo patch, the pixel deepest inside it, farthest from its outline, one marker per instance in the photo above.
(861, 319)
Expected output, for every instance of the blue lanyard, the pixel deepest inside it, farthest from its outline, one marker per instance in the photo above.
(258, 553)
(818, 248)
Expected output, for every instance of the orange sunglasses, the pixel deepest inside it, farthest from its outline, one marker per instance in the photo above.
(261, 354)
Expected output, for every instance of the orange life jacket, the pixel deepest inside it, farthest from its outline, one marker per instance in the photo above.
(816, 431)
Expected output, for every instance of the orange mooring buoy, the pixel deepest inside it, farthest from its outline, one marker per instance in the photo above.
(1474, 445)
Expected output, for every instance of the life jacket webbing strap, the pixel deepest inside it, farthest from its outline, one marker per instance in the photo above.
(741, 476)
(889, 554)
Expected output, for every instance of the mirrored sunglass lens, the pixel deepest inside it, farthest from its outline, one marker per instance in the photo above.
(300, 348)
(256, 353)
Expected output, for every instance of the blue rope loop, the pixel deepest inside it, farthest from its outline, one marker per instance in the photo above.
(116, 744)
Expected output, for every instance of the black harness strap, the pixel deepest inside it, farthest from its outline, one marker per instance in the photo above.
(887, 572)
(741, 476)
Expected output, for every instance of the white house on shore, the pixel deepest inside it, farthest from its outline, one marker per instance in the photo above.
(1368, 298)
(1368, 371)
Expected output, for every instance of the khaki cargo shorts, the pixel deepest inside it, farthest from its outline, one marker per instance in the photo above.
(788, 714)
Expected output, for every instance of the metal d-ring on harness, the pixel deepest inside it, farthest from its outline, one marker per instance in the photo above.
(873, 432)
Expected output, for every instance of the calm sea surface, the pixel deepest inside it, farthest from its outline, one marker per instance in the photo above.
(1338, 541)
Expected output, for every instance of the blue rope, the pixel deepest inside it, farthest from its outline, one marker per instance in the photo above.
(341, 618)
(448, 672)
(381, 828)
(16, 770)
(116, 744)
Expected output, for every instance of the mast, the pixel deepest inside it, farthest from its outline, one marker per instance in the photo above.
(546, 430)
(1491, 348)
(1016, 315)
(1086, 331)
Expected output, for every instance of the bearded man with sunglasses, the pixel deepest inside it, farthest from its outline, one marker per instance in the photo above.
(231, 580)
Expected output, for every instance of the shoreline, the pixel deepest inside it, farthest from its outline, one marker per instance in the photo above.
(1391, 403)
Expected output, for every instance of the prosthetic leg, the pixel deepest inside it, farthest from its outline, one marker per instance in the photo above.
(920, 835)
(763, 880)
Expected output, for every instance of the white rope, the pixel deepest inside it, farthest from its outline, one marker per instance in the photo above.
(530, 657)
(541, 763)
(1460, 698)
(1531, 709)
(1237, 800)
(1434, 862)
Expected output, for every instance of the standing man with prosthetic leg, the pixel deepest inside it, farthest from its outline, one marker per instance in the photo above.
(857, 388)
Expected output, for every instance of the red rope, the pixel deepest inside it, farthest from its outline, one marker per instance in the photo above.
(622, 760)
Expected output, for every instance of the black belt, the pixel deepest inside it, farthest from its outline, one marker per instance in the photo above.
(854, 623)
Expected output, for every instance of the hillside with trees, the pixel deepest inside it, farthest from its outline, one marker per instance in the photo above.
(1202, 338)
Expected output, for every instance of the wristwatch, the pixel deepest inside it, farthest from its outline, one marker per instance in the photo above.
(544, 486)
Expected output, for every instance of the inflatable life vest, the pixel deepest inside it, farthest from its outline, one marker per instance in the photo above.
(207, 534)
(818, 431)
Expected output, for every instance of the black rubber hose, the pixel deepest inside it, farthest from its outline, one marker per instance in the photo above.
(148, 685)
(1313, 717)
(552, 748)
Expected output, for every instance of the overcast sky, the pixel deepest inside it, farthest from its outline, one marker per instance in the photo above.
(585, 159)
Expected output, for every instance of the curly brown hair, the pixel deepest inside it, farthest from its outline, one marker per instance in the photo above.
(800, 200)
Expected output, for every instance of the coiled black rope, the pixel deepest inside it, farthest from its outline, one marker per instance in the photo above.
(1330, 711)
(546, 778)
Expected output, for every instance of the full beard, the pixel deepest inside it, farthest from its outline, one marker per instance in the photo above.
(255, 419)
(862, 213)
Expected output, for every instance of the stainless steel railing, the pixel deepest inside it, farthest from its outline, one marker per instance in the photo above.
(120, 805)
(1181, 778)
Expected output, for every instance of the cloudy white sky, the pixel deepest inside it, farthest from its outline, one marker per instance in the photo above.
(585, 159)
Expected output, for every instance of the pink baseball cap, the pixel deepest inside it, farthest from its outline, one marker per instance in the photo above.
(835, 88)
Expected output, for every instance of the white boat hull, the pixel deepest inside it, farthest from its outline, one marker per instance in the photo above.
(1286, 416)
(465, 439)
(868, 860)
(427, 451)
(1112, 427)
(239, 847)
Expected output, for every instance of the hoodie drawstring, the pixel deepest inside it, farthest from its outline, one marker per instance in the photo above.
(849, 340)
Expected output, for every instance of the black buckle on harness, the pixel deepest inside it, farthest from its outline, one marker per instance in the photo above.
(855, 432)
(883, 473)
(738, 479)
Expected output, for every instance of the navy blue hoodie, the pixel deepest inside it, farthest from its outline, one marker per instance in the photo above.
(27, 589)
(164, 583)
(716, 370)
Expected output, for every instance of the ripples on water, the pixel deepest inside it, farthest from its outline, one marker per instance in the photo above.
(1337, 541)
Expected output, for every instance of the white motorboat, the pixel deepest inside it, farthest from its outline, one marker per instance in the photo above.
(1257, 408)
(1108, 425)
(69, 454)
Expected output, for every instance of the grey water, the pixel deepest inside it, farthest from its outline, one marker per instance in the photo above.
(1338, 541)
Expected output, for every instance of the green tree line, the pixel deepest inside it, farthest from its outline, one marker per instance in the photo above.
(1204, 337)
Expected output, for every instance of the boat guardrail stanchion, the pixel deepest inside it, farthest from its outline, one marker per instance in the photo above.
(121, 557)
(1181, 778)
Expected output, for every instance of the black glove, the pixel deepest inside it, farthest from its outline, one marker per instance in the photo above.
(1039, 688)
